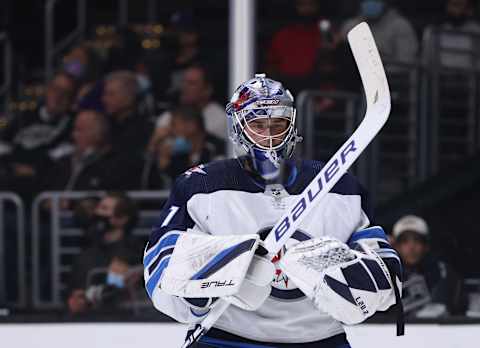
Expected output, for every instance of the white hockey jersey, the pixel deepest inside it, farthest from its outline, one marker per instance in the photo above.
(221, 198)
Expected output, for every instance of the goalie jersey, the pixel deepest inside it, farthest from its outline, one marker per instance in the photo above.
(222, 198)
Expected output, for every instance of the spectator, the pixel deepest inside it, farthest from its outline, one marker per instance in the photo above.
(110, 258)
(196, 91)
(186, 145)
(431, 288)
(84, 64)
(126, 52)
(31, 137)
(394, 34)
(180, 50)
(458, 18)
(130, 129)
(90, 164)
(302, 53)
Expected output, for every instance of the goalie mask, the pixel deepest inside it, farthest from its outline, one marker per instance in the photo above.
(261, 122)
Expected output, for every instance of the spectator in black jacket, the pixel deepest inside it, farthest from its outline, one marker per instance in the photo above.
(31, 137)
(431, 288)
(104, 274)
(92, 164)
(130, 128)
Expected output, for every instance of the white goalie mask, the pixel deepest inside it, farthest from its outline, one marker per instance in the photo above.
(261, 119)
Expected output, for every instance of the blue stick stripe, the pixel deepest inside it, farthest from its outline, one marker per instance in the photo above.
(372, 232)
(223, 258)
(164, 253)
(165, 241)
(377, 274)
(153, 281)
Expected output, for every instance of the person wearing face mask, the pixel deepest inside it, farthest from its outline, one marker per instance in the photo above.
(458, 22)
(112, 249)
(196, 91)
(394, 34)
(83, 62)
(187, 145)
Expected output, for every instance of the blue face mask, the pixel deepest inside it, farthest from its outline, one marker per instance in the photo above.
(181, 146)
(372, 8)
(74, 68)
(115, 279)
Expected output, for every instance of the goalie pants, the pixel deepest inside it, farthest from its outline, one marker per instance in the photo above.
(216, 338)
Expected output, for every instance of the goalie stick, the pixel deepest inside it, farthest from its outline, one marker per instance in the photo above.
(377, 95)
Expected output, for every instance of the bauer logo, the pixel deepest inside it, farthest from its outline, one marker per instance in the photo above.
(331, 170)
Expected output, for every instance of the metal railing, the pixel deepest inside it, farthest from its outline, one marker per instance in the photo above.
(7, 70)
(52, 48)
(452, 63)
(341, 118)
(398, 149)
(56, 235)
(392, 162)
(12, 257)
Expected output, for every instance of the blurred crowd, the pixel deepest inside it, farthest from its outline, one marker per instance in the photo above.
(126, 121)
(159, 115)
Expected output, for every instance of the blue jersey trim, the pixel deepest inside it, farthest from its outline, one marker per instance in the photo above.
(152, 282)
(165, 252)
(169, 240)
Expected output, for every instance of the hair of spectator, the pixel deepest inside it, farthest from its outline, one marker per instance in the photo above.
(128, 80)
(190, 113)
(124, 207)
(207, 76)
(73, 80)
(102, 122)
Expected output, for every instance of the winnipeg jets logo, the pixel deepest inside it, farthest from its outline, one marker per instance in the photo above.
(280, 280)
(283, 288)
(197, 169)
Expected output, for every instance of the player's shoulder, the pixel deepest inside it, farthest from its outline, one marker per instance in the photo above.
(347, 185)
(207, 178)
